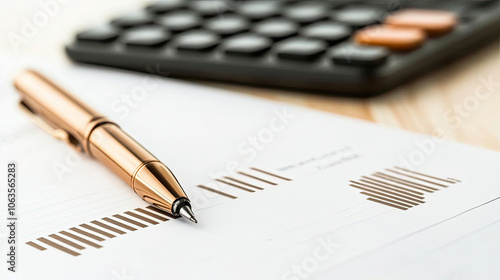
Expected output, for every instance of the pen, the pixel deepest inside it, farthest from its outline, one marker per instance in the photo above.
(67, 118)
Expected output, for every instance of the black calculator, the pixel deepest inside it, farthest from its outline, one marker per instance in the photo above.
(353, 48)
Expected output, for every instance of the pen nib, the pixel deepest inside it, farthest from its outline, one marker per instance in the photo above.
(186, 212)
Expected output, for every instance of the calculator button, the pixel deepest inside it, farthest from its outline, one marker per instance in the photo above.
(350, 54)
(434, 22)
(197, 40)
(101, 34)
(146, 36)
(484, 3)
(359, 16)
(134, 19)
(396, 38)
(165, 6)
(331, 32)
(276, 29)
(387, 5)
(305, 13)
(300, 48)
(227, 25)
(247, 44)
(180, 21)
(209, 8)
(259, 10)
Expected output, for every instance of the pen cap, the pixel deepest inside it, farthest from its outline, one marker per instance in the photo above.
(68, 117)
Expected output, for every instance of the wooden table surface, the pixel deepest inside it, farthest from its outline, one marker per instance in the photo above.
(461, 100)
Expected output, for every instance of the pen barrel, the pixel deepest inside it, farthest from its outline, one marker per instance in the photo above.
(117, 150)
(144, 173)
(59, 109)
(67, 118)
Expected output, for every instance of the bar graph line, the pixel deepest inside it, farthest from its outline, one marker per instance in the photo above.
(417, 193)
(400, 189)
(408, 181)
(270, 174)
(67, 242)
(244, 183)
(161, 212)
(108, 227)
(88, 234)
(140, 217)
(388, 196)
(257, 178)
(416, 178)
(216, 191)
(387, 203)
(36, 246)
(234, 185)
(394, 194)
(134, 222)
(161, 218)
(390, 178)
(425, 175)
(58, 247)
(397, 202)
(93, 233)
(397, 190)
(80, 239)
(116, 223)
(94, 229)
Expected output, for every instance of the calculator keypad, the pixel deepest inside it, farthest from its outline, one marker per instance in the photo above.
(336, 36)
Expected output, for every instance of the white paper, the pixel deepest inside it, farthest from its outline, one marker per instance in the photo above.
(299, 229)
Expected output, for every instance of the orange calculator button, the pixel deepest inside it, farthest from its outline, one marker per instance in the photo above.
(395, 38)
(433, 22)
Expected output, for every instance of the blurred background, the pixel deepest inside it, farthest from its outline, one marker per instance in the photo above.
(443, 102)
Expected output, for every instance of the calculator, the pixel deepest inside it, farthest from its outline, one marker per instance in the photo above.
(350, 48)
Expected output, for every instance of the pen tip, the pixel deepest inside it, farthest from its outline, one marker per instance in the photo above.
(186, 212)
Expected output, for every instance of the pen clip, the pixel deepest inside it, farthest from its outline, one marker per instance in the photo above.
(58, 133)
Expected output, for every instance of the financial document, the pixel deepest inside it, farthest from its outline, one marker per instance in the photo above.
(280, 192)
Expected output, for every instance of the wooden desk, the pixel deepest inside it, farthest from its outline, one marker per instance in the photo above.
(444, 100)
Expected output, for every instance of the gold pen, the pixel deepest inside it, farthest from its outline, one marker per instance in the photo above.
(67, 118)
